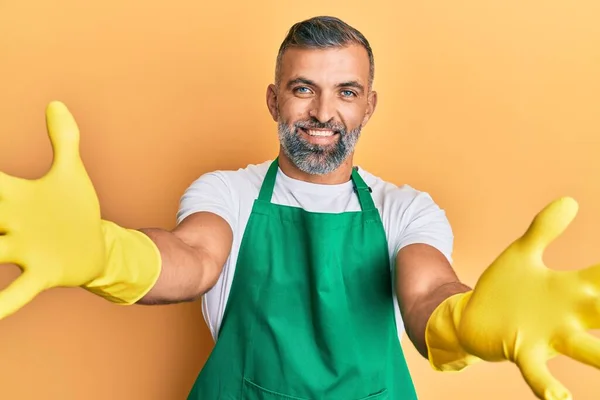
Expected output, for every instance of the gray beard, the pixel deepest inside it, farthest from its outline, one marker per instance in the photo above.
(312, 158)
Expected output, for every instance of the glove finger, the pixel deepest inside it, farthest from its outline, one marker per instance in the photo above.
(20, 292)
(549, 223)
(582, 347)
(63, 132)
(537, 375)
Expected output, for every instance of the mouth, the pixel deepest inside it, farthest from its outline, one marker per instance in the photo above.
(319, 136)
(319, 132)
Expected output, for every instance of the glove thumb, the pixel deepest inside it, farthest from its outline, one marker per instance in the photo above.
(64, 135)
(549, 224)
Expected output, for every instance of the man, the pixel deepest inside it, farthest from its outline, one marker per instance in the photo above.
(308, 266)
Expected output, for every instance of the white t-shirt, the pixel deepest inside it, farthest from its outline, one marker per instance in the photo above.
(408, 215)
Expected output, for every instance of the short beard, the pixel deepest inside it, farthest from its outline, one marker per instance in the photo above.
(312, 158)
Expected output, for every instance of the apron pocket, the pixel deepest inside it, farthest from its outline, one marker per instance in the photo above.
(381, 395)
(252, 391)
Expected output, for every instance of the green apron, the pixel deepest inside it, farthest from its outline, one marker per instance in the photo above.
(310, 313)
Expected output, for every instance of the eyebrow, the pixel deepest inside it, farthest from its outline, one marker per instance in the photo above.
(305, 81)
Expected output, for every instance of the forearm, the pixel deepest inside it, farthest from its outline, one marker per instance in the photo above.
(416, 319)
(185, 270)
(155, 266)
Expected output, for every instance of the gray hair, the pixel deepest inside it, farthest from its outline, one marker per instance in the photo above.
(323, 32)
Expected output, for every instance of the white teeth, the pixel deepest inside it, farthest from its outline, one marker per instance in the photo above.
(320, 133)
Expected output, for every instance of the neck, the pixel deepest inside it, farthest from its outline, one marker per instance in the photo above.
(341, 175)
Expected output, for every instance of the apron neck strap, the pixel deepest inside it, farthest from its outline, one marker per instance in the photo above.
(266, 189)
(360, 187)
(363, 191)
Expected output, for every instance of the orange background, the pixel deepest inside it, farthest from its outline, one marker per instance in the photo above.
(491, 106)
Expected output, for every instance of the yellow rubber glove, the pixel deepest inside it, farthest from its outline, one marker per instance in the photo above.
(53, 230)
(523, 312)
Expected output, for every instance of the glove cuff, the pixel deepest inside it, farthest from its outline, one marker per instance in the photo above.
(441, 335)
(132, 267)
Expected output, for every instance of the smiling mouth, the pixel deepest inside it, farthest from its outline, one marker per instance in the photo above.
(319, 132)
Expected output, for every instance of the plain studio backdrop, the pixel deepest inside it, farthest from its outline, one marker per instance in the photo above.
(492, 107)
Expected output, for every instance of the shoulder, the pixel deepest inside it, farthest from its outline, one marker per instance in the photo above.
(252, 174)
(410, 215)
(231, 181)
(393, 197)
(222, 191)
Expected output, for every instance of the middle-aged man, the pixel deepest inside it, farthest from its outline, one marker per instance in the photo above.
(309, 267)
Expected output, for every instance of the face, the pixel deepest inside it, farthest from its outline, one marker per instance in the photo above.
(321, 105)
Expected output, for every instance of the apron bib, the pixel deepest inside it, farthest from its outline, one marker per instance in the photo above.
(310, 313)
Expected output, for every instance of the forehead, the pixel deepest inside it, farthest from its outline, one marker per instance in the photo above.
(326, 66)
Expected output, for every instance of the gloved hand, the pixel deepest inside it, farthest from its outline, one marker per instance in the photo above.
(523, 312)
(53, 230)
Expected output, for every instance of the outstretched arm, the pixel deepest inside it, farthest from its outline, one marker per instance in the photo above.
(550, 314)
(424, 279)
(53, 230)
(193, 255)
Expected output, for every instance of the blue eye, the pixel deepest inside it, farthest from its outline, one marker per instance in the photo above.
(299, 89)
(348, 93)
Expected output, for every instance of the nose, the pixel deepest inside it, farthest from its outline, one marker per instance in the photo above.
(322, 109)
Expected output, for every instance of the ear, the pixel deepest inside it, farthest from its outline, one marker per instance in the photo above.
(272, 101)
(371, 105)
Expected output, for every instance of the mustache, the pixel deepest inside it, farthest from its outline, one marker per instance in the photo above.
(311, 124)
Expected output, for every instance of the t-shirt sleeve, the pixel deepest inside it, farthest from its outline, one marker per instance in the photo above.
(210, 193)
(426, 223)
